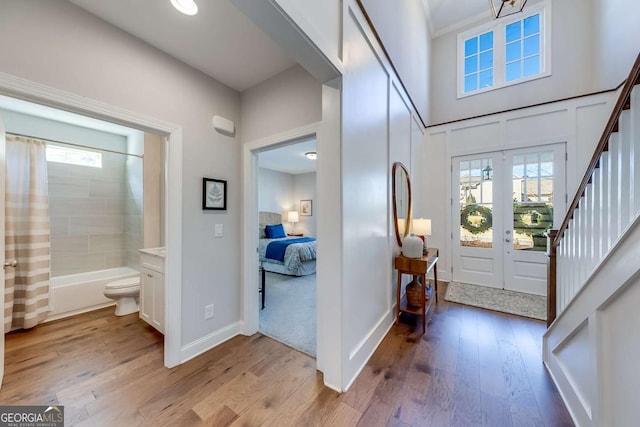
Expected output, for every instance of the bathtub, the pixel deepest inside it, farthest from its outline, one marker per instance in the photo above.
(82, 292)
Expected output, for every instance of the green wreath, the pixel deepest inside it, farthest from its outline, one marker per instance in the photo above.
(485, 223)
(541, 216)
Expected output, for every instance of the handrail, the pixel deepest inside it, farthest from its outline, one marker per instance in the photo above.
(612, 126)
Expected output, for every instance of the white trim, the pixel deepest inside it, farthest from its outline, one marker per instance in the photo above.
(499, 27)
(250, 219)
(35, 92)
(206, 343)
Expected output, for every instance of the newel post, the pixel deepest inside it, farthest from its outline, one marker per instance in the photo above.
(551, 277)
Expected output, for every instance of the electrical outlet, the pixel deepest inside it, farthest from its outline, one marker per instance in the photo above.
(208, 311)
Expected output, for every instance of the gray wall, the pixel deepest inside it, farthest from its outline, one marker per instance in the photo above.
(616, 40)
(571, 64)
(72, 50)
(288, 100)
(402, 26)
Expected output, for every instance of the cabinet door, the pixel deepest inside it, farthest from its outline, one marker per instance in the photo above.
(146, 295)
(158, 301)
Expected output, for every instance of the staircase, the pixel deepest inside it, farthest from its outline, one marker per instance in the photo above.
(592, 346)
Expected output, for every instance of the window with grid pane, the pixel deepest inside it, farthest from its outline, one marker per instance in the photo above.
(504, 52)
(522, 47)
(478, 62)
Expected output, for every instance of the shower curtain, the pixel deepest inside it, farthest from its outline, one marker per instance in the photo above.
(27, 234)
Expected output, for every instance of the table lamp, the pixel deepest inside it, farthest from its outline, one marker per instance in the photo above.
(422, 228)
(292, 217)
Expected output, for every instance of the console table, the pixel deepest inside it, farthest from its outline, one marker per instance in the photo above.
(417, 267)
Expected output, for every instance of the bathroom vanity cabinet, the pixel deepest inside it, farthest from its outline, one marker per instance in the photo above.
(152, 287)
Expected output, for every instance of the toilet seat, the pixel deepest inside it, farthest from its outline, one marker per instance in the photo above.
(128, 282)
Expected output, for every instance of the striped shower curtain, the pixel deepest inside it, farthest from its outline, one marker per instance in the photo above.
(27, 234)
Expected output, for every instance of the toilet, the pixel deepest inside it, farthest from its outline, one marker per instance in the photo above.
(126, 292)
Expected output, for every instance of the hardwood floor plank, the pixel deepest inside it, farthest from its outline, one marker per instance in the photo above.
(472, 367)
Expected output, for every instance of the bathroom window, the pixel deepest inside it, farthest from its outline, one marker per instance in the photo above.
(73, 156)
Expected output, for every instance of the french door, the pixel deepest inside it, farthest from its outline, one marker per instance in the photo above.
(503, 203)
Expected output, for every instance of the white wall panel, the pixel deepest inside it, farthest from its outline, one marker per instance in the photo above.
(540, 127)
(365, 198)
(620, 342)
(575, 359)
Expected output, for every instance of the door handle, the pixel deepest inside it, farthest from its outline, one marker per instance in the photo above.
(507, 240)
(11, 263)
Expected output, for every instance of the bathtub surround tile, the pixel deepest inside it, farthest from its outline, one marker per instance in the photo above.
(71, 264)
(71, 245)
(76, 206)
(96, 224)
(115, 206)
(103, 188)
(59, 226)
(57, 170)
(67, 187)
(102, 243)
(115, 259)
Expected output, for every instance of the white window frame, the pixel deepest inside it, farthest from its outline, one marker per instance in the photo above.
(499, 49)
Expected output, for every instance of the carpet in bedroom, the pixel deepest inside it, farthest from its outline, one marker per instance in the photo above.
(290, 312)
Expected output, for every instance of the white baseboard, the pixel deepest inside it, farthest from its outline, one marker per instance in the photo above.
(199, 346)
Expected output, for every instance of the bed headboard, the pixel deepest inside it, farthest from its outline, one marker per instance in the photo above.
(267, 218)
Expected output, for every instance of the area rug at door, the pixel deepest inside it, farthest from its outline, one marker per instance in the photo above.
(518, 303)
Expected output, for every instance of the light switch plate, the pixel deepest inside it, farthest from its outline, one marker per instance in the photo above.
(219, 230)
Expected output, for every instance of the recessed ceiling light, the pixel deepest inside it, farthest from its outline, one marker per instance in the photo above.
(311, 155)
(188, 7)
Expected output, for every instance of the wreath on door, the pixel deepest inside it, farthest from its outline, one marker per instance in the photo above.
(478, 226)
(532, 219)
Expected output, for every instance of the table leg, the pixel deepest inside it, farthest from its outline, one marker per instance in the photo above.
(263, 288)
(398, 297)
(435, 280)
(424, 303)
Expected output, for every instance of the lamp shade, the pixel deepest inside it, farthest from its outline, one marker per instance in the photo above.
(292, 216)
(422, 227)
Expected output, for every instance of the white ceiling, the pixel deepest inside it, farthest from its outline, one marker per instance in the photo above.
(289, 158)
(219, 41)
(223, 43)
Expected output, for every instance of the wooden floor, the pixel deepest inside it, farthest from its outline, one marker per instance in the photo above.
(472, 368)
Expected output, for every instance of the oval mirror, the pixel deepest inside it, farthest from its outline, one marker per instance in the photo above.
(401, 194)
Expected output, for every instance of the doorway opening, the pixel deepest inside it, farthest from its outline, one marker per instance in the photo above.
(286, 188)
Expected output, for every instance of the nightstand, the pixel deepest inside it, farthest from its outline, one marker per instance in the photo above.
(417, 267)
(295, 234)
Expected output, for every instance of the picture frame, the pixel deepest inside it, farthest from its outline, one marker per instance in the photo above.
(214, 194)
(306, 208)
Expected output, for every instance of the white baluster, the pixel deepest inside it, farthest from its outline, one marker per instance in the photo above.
(605, 174)
(597, 216)
(635, 144)
(614, 189)
(624, 173)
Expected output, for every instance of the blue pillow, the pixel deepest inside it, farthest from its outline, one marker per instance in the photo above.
(274, 231)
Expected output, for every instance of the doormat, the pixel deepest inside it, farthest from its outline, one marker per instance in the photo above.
(518, 303)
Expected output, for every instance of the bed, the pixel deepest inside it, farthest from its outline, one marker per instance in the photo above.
(298, 257)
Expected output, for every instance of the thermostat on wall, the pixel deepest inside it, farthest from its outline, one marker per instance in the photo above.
(224, 126)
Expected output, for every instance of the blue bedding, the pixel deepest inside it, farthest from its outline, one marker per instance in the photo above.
(276, 249)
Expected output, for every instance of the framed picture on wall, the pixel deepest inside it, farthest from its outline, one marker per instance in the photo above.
(214, 194)
(305, 208)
